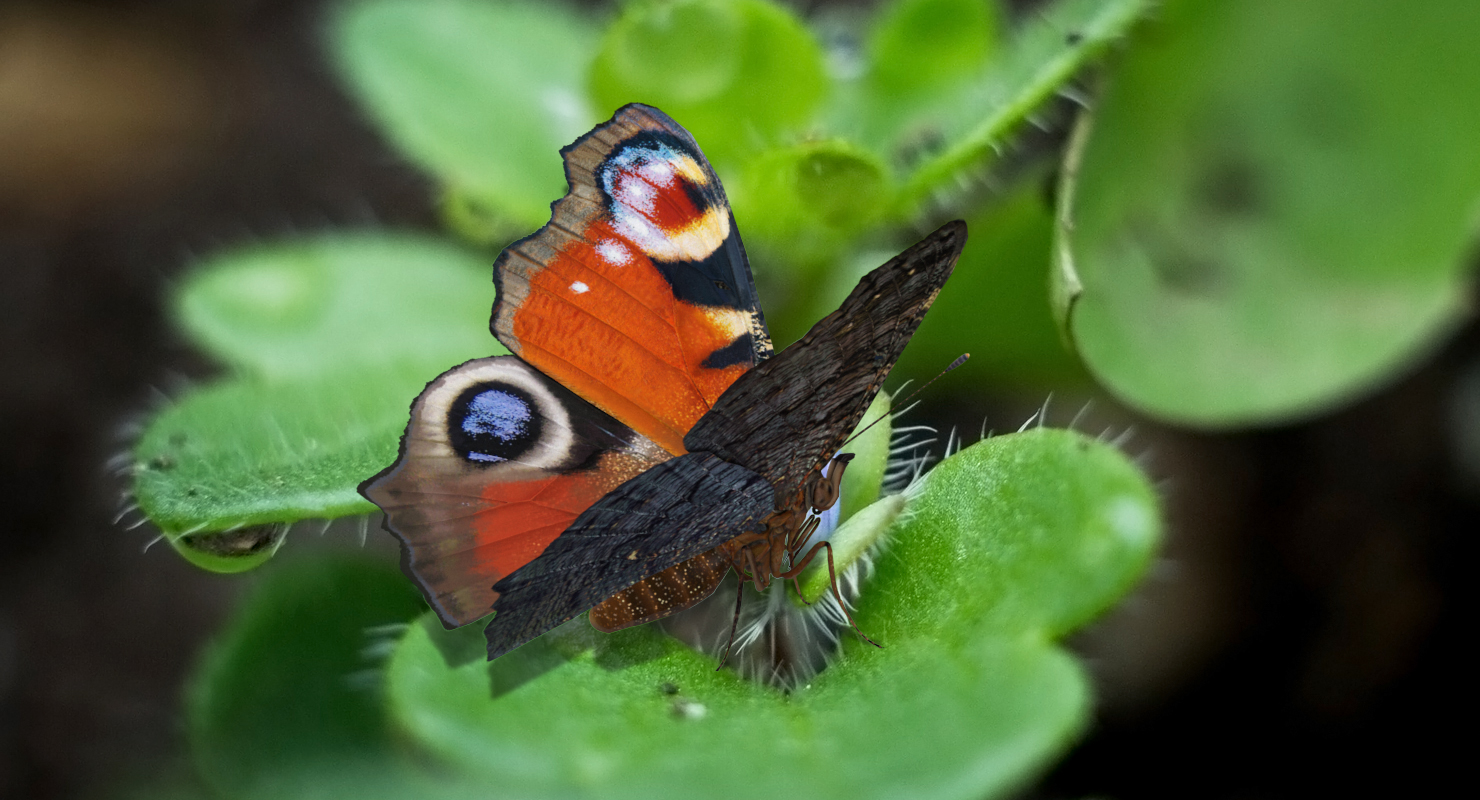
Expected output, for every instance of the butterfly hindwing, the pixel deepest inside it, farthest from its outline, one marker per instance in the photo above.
(790, 414)
(637, 295)
(496, 462)
(667, 515)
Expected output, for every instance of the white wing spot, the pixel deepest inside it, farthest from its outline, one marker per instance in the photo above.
(612, 252)
(579, 288)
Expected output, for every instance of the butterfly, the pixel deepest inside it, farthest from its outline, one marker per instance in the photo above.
(642, 441)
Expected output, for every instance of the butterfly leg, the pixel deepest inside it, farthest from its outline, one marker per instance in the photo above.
(832, 577)
(734, 623)
(797, 583)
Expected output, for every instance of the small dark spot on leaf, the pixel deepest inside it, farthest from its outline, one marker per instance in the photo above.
(1073, 38)
(1178, 263)
(1230, 185)
(668, 687)
(162, 462)
(919, 144)
(192, 492)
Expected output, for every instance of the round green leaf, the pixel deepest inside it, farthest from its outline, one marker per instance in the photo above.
(301, 308)
(1272, 212)
(481, 94)
(240, 457)
(733, 72)
(1006, 546)
(1031, 532)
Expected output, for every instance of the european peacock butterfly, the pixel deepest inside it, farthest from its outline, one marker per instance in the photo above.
(642, 441)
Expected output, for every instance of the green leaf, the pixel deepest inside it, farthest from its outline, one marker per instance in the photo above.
(334, 337)
(481, 94)
(1288, 223)
(289, 696)
(996, 304)
(917, 46)
(242, 454)
(804, 203)
(959, 129)
(870, 452)
(735, 73)
(1061, 523)
(1006, 545)
(345, 302)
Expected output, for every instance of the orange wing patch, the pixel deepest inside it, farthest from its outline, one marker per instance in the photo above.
(637, 295)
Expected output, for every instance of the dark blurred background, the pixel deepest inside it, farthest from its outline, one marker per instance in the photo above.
(1299, 635)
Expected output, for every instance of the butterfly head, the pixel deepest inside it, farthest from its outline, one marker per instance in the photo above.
(825, 489)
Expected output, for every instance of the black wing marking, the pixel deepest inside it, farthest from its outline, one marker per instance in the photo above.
(789, 414)
(665, 516)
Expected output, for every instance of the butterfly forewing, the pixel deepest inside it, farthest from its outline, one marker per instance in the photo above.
(637, 295)
(790, 414)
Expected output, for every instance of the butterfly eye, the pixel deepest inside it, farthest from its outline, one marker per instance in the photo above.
(493, 422)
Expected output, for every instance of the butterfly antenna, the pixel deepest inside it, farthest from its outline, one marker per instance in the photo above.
(958, 362)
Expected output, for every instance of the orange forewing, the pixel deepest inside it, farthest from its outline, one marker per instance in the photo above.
(636, 284)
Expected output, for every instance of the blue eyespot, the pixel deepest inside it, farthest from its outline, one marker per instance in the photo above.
(493, 422)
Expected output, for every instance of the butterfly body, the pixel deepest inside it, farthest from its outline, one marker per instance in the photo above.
(643, 440)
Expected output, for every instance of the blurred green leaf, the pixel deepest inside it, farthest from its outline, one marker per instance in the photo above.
(996, 304)
(1288, 222)
(334, 337)
(481, 94)
(961, 127)
(1007, 545)
(870, 451)
(289, 697)
(735, 73)
(917, 46)
(806, 202)
(346, 302)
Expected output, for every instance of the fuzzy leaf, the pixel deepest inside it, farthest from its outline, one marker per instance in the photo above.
(954, 128)
(1289, 223)
(333, 337)
(1008, 545)
(243, 453)
(871, 457)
